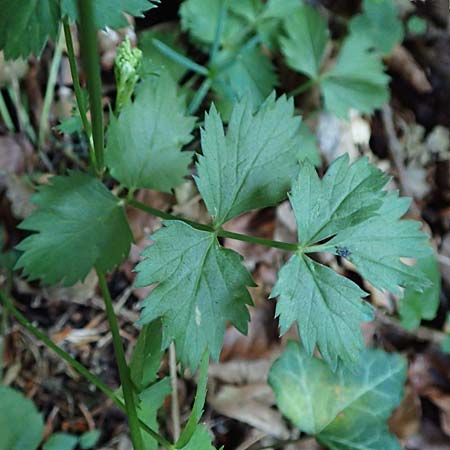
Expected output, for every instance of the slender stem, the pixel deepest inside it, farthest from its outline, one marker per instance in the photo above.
(199, 96)
(78, 92)
(221, 232)
(83, 371)
(49, 90)
(124, 372)
(231, 60)
(4, 113)
(175, 406)
(219, 30)
(88, 41)
(179, 58)
(304, 87)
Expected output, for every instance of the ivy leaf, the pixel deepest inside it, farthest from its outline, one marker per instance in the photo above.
(356, 81)
(346, 410)
(254, 164)
(347, 195)
(327, 307)
(307, 37)
(416, 305)
(25, 26)
(110, 13)
(147, 355)
(252, 75)
(200, 283)
(144, 143)
(376, 246)
(15, 411)
(79, 224)
(379, 21)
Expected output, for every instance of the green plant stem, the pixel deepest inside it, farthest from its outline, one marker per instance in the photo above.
(49, 90)
(304, 87)
(78, 93)
(124, 372)
(199, 96)
(4, 113)
(89, 52)
(83, 371)
(179, 58)
(219, 30)
(221, 232)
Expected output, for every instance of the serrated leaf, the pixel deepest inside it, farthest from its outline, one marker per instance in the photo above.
(78, 224)
(327, 307)
(415, 305)
(254, 164)
(61, 441)
(155, 62)
(347, 195)
(347, 409)
(15, 411)
(200, 283)
(376, 245)
(25, 26)
(280, 9)
(199, 403)
(310, 145)
(146, 356)
(200, 440)
(150, 400)
(144, 143)
(356, 81)
(379, 21)
(307, 37)
(252, 76)
(110, 13)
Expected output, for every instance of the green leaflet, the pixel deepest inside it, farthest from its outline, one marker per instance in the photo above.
(89, 439)
(356, 81)
(376, 245)
(252, 76)
(327, 307)
(347, 409)
(25, 26)
(347, 195)
(110, 13)
(144, 143)
(415, 305)
(79, 224)
(15, 411)
(200, 283)
(307, 37)
(200, 440)
(254, 164)
(349, 206)
(61, 441)
(380, 22)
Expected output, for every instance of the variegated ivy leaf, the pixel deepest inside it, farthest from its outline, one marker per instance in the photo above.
(349, 207)
(345, 410)
(200, 286)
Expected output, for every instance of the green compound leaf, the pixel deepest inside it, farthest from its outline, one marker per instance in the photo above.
(15, 411)
(200, 283)
(376, 245)
(347, 195)
(416, 305)
(79, 224)
(110, 13)
(379, 21)
(25, 26)
(144, 143)
(346, 410)
(356, 81)
(307, 37)
(251, 76)
(327, 307)
(254, 164)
